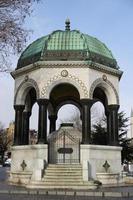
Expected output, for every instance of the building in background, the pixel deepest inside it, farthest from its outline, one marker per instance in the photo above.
(10, 134)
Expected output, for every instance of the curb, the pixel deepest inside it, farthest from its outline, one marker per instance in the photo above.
(68, 193)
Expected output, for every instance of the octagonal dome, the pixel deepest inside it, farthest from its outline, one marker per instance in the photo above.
(67, 45)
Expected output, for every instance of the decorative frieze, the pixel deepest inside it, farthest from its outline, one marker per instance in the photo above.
(67, 64)
(69, 78)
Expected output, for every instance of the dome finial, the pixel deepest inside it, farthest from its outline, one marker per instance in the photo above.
(67, 22)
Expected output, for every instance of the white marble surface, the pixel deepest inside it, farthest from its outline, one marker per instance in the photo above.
(35, 158)
(94, 156)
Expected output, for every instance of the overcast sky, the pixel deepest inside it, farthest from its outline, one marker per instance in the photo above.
(111, 21)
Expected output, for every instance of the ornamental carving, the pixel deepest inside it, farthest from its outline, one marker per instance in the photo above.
(64, 73)
(73, 79)
(104, 77)
(97, 82)
(26, 78)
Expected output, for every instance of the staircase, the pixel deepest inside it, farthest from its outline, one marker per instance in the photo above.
(63, 176)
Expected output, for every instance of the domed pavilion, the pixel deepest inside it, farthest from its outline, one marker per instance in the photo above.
(65, 67)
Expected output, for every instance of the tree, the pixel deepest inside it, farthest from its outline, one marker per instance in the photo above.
(13, 36)
(99, 136)
(127, 148)
(4, 141)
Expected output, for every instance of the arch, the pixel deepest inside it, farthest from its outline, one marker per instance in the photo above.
(77, 104)
(23, 89)
(72, 113)
(58, 79)
(108, 88)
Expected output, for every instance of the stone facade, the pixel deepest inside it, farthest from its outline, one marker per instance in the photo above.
(28, 163)
(52, 81)
(84, 78)
(93, 158)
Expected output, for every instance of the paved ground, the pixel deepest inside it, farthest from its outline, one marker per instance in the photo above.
(42, 197)
(8, 192)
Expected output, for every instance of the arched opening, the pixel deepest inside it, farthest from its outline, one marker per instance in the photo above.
(99, 95)
(65, 112)
(60, 95)
(98, 124)
(69, 114)
(108, 88)
(64, 143)
(63, 92)
(98, 117)
(33, 125)
(29, 131)
(111, 112)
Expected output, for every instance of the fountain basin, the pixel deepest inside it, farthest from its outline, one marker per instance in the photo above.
(108, 178)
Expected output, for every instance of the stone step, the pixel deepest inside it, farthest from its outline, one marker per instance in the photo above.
(63, 172)
(68, 183)
(75, 186)
(62, 183)
(65, 165)
(64, 168)
(62, 180)
(63, 177)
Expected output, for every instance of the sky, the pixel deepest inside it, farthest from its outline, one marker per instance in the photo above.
(111, 21)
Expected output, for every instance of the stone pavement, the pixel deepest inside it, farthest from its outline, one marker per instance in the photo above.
(9, 192)
(14, 193)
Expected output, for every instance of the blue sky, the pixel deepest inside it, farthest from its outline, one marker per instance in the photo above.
(111, 21)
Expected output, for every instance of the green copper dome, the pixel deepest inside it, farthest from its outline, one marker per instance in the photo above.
(67, 45)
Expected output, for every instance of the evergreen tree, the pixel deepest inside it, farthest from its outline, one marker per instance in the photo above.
(99, 136)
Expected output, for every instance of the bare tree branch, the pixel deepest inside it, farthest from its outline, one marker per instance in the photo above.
(13, 36)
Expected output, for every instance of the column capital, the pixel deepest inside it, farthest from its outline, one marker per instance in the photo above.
(19, 107)
(87, 101)
(28, 113)
(52, 117)
(42, 101)
(113, 107)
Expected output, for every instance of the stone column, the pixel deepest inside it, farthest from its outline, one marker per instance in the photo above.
(25, 134)
(42, 121)
(52, 119)
(112, 124)
(18, 124)
(86, 120)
